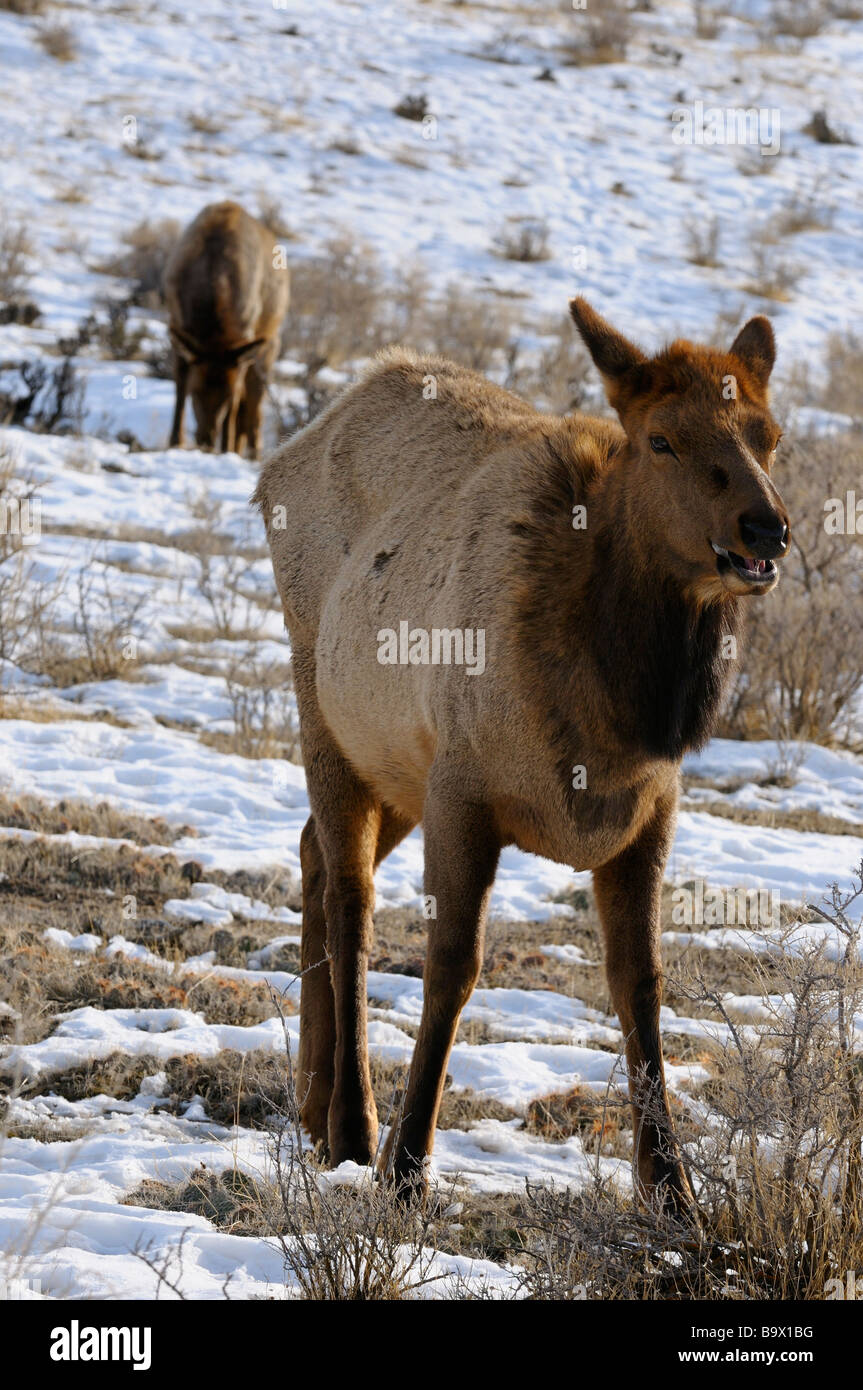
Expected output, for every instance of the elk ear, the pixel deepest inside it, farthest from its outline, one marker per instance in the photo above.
(234, 356)
(755, 347)
(185, 344)
(613, 355)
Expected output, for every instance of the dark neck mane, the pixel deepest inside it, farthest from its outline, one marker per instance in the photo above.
(618, 656)
(660, 657)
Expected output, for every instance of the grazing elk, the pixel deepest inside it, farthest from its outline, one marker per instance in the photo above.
(226, 299)
(606, 567)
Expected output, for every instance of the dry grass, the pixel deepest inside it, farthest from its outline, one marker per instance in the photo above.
(88, 818)
(602, 1122)
(233, 1201)
(807, 819)
(40, 980)
(237, 1088)
(768, 1226)
(38, 710)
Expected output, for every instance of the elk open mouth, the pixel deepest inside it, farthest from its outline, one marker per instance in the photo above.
(752, 571)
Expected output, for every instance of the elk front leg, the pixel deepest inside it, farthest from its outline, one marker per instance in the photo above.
(229, 427)
(251, 409)
(628, 892)
(181, 377)
(461, 853)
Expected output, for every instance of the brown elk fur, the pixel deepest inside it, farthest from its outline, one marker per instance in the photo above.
(426, 494)
(226, 301)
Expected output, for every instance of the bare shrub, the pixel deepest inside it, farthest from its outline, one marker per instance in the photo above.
(219, 581)
(344, 1241)
(798, 19)
(802, 212)
(471, 329)
(523, 239)
(843, 391)
(47, 399)
(59, 42)
(344, 309)
(413, 107)
(703, 235)
(558, 378)
(773, 276)
(107, 330)
(24, 600)
(780, 1171)
(148, 248)
(820, 129)
(337, 305)
(23, 6)
(600, 35)
(706, 20)
(772, 1144)
(16, 255)
(270, 213)
(803, 652)
(100, 642)
(263, 708)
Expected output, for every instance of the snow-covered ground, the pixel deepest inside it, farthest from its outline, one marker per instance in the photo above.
(159, 113)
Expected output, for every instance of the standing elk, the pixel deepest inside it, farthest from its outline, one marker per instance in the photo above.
(606, 565)
(226, 299)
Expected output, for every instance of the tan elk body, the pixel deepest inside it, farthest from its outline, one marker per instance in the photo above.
(604, 565)
(227, 290)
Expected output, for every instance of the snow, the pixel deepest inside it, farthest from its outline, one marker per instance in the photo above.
(249, 813)
(317, 82)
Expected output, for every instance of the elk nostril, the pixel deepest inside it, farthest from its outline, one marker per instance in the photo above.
(765, 535)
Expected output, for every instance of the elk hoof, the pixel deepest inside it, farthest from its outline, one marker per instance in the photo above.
(407, 1173)
(669, 1193)
(353, 1137)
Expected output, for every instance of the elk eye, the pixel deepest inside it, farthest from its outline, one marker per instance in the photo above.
(659, 444)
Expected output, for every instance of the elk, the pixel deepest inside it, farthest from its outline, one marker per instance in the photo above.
(226, 297)
(608, 565)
